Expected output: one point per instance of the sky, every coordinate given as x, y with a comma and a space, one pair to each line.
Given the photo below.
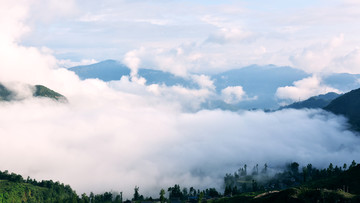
201, 36
121, 134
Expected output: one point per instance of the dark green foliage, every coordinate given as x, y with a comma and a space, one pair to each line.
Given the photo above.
349, 106
13, 188
175, 192
42, 91
162, 195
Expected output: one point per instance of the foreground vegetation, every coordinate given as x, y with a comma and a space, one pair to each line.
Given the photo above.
332, 184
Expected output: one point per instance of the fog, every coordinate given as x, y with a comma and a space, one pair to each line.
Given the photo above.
106, 139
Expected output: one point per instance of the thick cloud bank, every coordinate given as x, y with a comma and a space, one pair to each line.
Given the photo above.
111, 140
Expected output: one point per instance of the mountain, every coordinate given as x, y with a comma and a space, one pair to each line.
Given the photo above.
113, 70
42, 91
105, 70
5, 94
347, 105
260, 83
161, 77
39, 91
319, 101
344, 82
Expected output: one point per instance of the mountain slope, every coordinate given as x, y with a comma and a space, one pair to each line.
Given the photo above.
319, 101
42, 91
161, 77
260, 82
5, 94
349, 106
105, 70
342, 81
39, 91
13, 188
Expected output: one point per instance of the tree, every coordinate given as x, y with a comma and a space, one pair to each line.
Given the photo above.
175, 192
162, 195
227, 191
264, 171
353, 164
85, 198
185, 193
254, 185
118, 198
136, 194
92, 197
201, 196
330, 169
192, 191
212, 192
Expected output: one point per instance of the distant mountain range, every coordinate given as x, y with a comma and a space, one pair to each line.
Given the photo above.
259, 82
39, 91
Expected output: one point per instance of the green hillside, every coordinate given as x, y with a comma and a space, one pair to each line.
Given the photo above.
26, 192
42, 91
39, 91
13, 188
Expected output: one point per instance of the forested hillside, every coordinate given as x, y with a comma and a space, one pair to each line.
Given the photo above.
347, 105
293, 184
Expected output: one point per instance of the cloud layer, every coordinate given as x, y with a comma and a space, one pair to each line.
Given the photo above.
113, 141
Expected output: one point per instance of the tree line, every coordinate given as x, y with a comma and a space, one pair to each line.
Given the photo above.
242, 181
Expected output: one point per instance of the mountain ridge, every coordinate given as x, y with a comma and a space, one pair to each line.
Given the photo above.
347, 105
38, 91
260, 82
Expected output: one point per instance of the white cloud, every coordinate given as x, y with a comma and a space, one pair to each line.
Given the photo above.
67, 63
204, 81
316, 59
48, 10
349, 63
12, 15
303, 89
114, 141
226, 32
234, 94
177, 60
